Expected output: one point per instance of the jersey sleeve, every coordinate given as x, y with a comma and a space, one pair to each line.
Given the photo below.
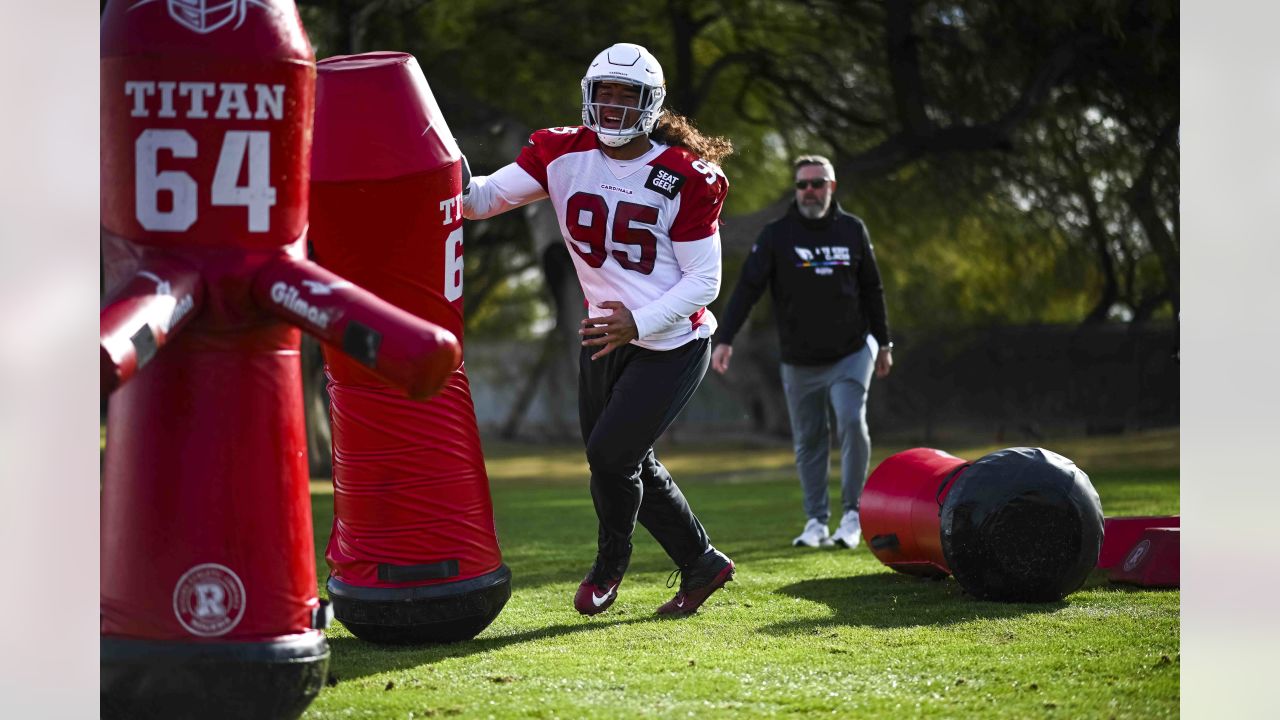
757, 273
510, 187
872, 290
547, 145
699, 284
701, 199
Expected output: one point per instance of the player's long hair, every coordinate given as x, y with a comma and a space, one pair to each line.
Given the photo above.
678, 130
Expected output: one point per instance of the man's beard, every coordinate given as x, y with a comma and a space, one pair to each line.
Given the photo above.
813, 212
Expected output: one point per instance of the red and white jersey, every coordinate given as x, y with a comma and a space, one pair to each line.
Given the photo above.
644, 232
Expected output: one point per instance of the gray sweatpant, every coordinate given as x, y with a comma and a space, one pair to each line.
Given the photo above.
808, 388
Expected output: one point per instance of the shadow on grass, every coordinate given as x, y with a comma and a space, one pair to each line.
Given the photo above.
352, 658
1100, 580
894, 600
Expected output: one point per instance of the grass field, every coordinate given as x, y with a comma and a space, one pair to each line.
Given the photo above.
799, 633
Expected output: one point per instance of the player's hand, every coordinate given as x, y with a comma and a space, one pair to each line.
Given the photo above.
884, 362
466, 176
720, 358
612, 331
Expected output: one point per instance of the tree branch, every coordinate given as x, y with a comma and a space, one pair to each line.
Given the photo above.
903, 58
1141, 200
724, 62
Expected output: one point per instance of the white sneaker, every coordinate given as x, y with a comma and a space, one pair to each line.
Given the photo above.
850, 531
815, 535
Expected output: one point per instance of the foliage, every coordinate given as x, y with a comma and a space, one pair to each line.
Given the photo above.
1019, 160
965, 265
799, 632
961, 130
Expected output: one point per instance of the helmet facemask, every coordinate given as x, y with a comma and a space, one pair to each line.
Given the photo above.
649, 109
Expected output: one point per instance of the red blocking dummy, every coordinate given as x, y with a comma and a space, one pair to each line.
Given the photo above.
1152, 561
208, 576
209, 602
899, 510
1120, 534
413, 554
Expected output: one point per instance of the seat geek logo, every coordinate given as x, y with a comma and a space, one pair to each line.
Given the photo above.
665, 182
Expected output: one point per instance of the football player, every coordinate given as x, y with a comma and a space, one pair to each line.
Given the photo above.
637, 191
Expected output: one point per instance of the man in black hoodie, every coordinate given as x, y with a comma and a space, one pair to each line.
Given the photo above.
818, 262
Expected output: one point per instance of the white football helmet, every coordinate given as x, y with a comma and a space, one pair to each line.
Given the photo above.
634, 65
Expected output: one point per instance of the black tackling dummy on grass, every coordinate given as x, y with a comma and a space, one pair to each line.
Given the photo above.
1021, 525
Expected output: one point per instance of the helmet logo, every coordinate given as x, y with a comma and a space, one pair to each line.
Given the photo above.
618, 55
205, 16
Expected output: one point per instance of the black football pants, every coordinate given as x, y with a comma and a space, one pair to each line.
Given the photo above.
626, 400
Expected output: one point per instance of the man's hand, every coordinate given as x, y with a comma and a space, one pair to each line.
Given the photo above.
611, 331
884, 362
720, 358
466, 176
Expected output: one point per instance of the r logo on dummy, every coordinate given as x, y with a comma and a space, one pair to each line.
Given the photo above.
209, 600
1135, 555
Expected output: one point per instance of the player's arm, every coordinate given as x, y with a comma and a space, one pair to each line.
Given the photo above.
520, 183
508, 188
754, 278
699, 284
699, 263
871, 290
756, 272
872, 296
695, 239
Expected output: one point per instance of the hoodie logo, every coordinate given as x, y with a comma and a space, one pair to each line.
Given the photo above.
822, 257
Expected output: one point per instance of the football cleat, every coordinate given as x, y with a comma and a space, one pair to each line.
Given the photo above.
598, 589
700, 578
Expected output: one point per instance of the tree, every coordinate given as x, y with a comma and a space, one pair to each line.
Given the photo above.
1016, 162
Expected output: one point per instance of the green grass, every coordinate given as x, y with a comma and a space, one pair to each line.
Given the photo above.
800, 633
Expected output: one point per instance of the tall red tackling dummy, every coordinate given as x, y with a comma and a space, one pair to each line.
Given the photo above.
209, 604
413, 554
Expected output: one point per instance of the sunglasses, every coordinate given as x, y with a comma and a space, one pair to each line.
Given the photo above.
815, 184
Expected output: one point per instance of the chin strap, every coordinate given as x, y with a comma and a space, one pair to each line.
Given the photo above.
617, 140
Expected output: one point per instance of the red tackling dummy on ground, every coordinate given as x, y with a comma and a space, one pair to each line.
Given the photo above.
1153, 561
1120, 534
899, 510
1017, 525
